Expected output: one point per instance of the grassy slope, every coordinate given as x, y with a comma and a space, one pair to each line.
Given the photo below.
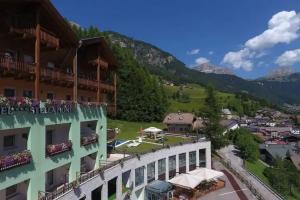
197, 96
258, 168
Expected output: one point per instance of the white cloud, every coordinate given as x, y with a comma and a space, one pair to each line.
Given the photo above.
211, 52
201, 60
193, 52
289, 58
283, 27
239, 59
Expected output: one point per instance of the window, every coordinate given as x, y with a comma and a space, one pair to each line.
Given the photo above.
11, 191
49, 138
202, 158
9, 141
68, 98
172, 166
182, 163
27, 93
161, 169
28, 59
50, 96
50, 178
151, 172
192, 160
139, 176
9, 92
51, 65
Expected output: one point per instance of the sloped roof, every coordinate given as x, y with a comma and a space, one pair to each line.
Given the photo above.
277, 150
50, 14
159, 187
179, 118
106, 52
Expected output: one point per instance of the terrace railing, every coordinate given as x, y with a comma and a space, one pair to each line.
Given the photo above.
56, 75
9, 64
90, 139
15, 160
54, 149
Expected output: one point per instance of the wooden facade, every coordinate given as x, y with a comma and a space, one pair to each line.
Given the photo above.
42, 58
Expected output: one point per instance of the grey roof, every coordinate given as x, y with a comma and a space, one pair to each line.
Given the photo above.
179, 118
159, 187
277, 150
228, 123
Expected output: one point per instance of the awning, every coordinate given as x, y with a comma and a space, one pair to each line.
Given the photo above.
152, 130
194, 178
205, 174
186, 181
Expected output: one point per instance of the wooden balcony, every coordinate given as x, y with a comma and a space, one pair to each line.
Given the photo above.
92, 84
10, 67
57, 77
89, 84
28, 31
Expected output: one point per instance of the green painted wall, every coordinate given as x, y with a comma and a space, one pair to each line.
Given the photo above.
35, 172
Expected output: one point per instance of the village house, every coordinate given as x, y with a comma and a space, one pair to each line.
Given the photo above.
179, 122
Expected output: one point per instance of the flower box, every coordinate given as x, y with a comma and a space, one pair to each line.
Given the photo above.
86, 140
14, 160
54, 149
18, 103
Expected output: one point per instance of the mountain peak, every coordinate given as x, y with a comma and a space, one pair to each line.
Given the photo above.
210, 68
280, 72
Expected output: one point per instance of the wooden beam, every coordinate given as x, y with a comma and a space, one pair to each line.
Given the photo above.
75, 74
99, 81
37, 57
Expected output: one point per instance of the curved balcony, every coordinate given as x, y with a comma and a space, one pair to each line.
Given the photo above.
15, 160
54, 149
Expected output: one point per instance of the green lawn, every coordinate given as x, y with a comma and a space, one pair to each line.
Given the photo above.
257, 168
130, 131
197, 97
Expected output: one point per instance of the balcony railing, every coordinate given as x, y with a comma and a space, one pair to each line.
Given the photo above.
86, 140
29, 31
88, 82
56, 75
14, 160
9, 64
54, 149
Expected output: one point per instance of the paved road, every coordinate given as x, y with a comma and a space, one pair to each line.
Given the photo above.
229, 153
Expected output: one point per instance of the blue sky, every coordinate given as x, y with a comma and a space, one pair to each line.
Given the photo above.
212, 28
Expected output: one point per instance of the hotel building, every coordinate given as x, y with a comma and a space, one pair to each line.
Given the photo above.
55, 94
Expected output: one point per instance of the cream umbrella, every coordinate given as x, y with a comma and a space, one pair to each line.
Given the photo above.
186, 181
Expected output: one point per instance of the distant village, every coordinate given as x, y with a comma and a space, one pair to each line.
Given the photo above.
278, 131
